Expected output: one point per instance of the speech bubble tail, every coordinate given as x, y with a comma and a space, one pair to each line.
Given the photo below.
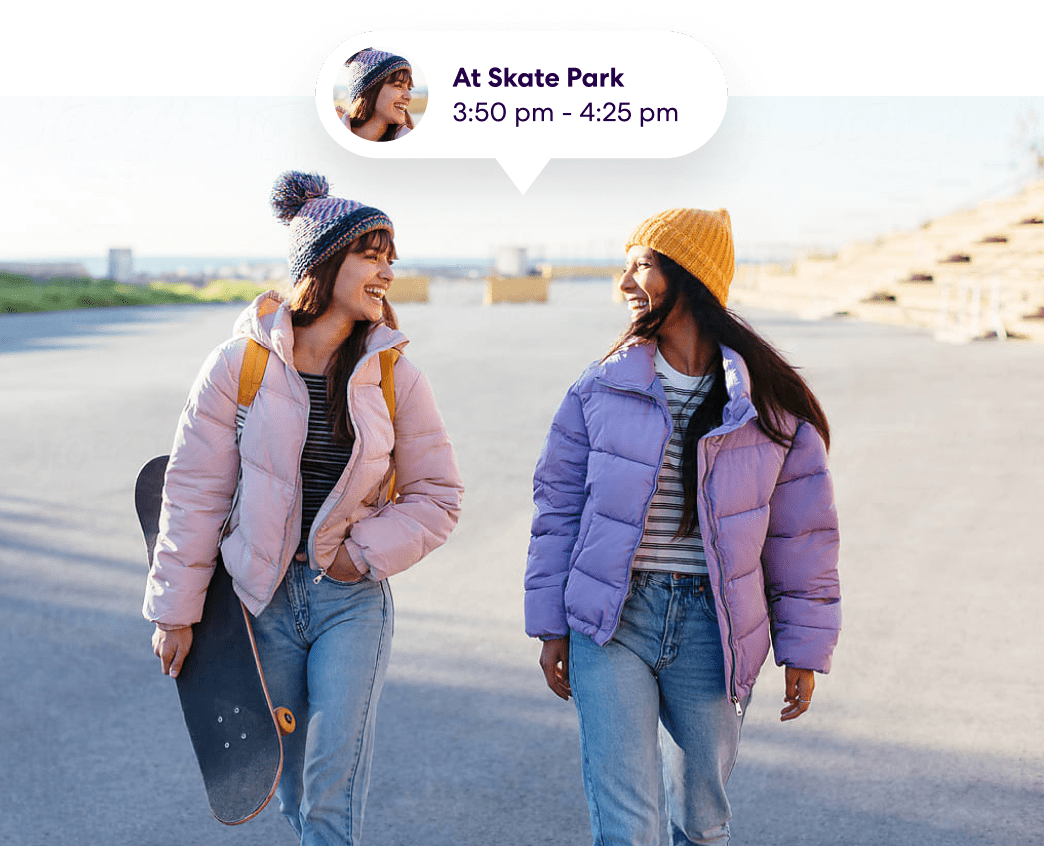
523, 170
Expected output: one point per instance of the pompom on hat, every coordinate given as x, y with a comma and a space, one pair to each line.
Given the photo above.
368, 67
698, 240
319, 224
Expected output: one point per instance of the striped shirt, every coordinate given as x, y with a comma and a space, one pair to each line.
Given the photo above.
659, 549
323, 459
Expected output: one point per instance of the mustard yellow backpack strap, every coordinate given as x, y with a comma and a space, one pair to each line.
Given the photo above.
252, 372
254, 360
388, 359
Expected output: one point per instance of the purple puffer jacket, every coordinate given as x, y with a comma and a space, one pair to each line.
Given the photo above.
766, 514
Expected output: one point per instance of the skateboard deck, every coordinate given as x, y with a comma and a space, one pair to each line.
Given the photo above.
235, 731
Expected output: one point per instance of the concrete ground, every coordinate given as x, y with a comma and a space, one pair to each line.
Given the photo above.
930, 729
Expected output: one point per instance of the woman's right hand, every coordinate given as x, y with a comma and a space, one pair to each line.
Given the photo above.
171, 647
554, 661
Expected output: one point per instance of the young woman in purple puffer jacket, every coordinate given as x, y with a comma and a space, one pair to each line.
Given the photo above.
684, 521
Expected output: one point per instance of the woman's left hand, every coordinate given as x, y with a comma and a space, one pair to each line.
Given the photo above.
798, 693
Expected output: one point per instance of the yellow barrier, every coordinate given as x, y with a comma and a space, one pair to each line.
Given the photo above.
578, 271
408, 289
516, 289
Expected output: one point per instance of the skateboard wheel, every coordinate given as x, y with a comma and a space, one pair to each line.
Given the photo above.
285, 720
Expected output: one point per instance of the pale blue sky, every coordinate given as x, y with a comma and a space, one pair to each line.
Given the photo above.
190, 176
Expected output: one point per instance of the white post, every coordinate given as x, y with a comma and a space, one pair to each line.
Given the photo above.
995, 311
945, 295
976, 309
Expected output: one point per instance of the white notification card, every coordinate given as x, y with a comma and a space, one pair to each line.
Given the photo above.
524, 98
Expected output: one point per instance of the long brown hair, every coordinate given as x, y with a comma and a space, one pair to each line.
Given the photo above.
311, 297
777, 389
363, 106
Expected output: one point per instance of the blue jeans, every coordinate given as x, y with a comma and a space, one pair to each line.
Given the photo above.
653, 700
324, 649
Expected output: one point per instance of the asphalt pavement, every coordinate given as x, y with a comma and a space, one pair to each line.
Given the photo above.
929, 730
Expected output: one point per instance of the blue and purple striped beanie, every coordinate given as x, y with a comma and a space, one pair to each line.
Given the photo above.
319, 224
370, 66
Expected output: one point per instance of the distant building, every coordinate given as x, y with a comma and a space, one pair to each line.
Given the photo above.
511, 261
121, 265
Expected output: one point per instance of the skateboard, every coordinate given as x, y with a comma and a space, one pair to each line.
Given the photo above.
235, 731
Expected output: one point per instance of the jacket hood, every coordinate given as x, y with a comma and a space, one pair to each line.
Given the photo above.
273, 329
633, 367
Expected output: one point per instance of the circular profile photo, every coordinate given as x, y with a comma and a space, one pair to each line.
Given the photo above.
379, 96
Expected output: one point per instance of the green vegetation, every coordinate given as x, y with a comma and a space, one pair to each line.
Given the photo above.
22, 293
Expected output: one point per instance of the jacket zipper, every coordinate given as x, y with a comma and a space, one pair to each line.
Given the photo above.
298, 492
721, 591
348, 469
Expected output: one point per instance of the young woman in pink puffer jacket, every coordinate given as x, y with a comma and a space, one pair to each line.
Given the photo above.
310, 536
684, 518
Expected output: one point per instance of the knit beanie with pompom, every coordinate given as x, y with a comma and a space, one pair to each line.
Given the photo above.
319, 224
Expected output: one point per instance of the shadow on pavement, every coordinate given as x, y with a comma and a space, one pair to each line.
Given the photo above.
96, 752
68, 330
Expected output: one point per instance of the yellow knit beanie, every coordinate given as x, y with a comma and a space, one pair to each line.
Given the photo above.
698, 240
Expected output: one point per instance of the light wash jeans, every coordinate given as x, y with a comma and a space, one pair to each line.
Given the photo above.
324, 650
653, 700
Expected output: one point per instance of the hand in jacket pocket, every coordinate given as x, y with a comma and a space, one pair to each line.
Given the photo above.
343, 568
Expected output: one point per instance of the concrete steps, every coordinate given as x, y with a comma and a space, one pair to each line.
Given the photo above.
999, 287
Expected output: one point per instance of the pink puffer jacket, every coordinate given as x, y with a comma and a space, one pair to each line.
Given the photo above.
264, 526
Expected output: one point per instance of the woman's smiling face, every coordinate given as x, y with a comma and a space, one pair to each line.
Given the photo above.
392, 100
362, 283
642, 283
